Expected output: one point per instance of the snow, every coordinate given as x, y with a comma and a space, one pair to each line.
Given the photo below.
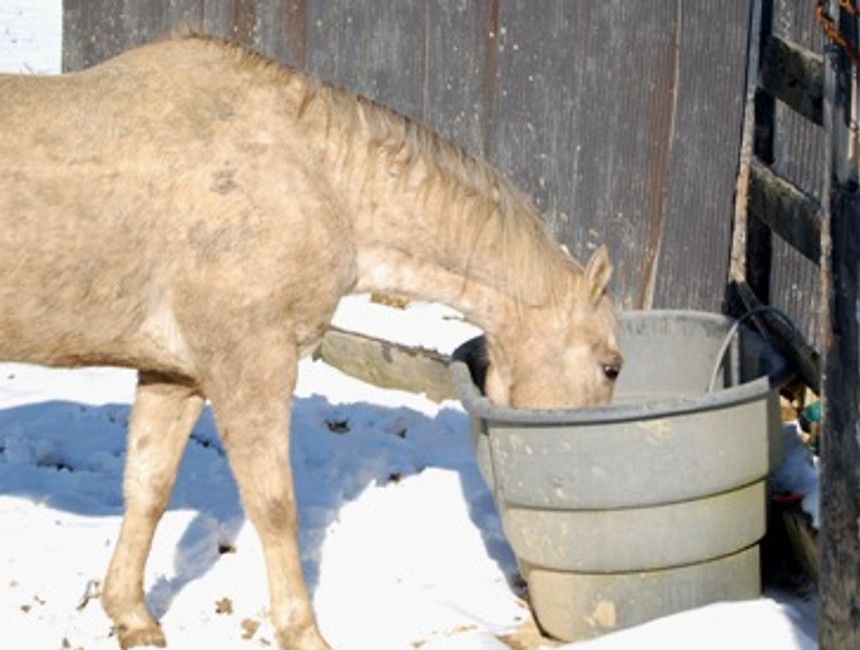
798, 475
360, 314
401, 544
31, 36
391, 504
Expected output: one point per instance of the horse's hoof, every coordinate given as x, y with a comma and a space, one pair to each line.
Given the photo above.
308, 640
148, 636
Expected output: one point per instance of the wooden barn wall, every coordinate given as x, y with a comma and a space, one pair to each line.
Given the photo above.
621, 119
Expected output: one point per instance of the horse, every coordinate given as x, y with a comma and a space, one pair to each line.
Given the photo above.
195, 211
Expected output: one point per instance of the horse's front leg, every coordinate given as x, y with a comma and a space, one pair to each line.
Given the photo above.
163, 415
252, 399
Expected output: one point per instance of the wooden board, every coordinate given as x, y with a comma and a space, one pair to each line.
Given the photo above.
462, 70
582, 118
839, 486
374, 48
693, 259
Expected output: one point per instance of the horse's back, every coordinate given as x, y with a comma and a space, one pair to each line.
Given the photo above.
131, 190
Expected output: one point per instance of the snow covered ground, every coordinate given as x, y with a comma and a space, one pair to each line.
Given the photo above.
31, 36
401, 544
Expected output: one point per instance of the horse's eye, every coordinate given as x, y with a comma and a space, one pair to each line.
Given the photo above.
611, 370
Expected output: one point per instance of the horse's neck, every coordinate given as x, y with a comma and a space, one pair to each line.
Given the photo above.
432, 223
391, 270
402, 246
417, 268
412, 239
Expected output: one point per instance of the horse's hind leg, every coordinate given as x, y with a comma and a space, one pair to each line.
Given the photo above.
162, 417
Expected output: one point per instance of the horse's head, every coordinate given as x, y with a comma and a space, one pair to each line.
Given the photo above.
560, 356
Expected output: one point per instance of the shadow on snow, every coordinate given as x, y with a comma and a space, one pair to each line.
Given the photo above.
70, 456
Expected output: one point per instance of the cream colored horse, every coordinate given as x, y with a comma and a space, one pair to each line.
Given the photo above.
194, 211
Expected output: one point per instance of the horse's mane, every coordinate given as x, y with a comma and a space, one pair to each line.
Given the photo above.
536, 268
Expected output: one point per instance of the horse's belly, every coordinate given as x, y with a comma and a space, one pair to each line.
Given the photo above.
71, 293
69, 320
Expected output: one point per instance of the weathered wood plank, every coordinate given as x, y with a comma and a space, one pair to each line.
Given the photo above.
282, 29
461, 70
739, 258
839, 543
798, 142
217, 18
582, 122
243, 22
386, 364
786, 209
704, 159
103, 28
93, 31
779, 274
795, 76
759, 238
376, 49
99, 29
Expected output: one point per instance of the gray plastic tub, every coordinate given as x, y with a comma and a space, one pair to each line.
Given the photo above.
662, 493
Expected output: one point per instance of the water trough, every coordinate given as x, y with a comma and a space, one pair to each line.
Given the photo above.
653, 505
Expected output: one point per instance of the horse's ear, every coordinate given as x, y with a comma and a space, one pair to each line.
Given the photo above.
598, 271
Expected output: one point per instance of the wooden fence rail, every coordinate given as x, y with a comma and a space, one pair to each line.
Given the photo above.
769, 204
824, 229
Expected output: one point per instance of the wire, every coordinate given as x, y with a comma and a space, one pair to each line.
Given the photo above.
734, 329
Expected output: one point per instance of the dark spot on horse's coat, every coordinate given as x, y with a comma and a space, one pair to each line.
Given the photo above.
210, 243
255, 148
224, 181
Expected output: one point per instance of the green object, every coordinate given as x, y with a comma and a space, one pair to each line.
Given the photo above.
811, 415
